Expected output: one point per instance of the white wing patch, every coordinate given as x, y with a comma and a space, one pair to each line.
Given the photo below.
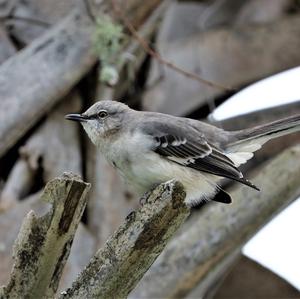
239, 158
249, 147
241, 154
179, 142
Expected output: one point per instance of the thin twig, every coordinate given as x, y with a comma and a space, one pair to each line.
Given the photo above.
157, 56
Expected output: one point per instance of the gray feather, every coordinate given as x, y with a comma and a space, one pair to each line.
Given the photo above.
262, 134
184, 145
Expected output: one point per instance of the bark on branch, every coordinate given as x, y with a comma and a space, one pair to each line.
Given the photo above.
115, 270
200, 255
43, 245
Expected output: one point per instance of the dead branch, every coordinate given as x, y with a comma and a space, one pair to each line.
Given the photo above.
44, 243
83, 246
7, 49
202, 253
249, 277
262, 11
6, 7
116, 269
25, 23
17, 185
29, 20
258, 117
135, 52
49, 148
158, 57
51, 66
83, 249
53, 149
10, 224
242, 52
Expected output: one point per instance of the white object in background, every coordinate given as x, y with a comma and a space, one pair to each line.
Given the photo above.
279, 89
277, 245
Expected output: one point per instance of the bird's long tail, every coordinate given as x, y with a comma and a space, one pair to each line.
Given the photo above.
243, 143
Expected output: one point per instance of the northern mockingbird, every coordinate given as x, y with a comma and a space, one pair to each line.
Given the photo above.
149, 148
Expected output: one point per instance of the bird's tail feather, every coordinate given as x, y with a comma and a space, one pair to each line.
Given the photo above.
261, 134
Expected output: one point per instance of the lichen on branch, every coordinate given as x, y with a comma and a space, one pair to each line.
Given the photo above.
107, 43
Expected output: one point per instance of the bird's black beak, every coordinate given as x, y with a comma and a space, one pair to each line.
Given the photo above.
76, 117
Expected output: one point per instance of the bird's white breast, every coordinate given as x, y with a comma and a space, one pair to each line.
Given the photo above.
143, 168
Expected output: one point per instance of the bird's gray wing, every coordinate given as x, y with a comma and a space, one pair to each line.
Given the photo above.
188, 147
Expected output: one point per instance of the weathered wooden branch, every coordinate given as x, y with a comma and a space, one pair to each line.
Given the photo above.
25, 22
258, 117
83, 249
7, 49
116, 269
202, 253
83, 246
263, 11
241, 51
10, 224
54, 149
18, 184
49, 148
44, 242
128, 68
50, 66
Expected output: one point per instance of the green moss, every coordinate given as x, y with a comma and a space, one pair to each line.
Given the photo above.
107, 41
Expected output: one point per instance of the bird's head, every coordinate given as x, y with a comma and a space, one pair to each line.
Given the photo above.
101, 120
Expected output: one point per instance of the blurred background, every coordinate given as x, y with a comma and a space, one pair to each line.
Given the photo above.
61, 56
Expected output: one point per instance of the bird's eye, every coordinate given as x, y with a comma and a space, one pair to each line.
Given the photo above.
103, 114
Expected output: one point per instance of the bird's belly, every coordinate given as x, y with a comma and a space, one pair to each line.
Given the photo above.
149, 170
